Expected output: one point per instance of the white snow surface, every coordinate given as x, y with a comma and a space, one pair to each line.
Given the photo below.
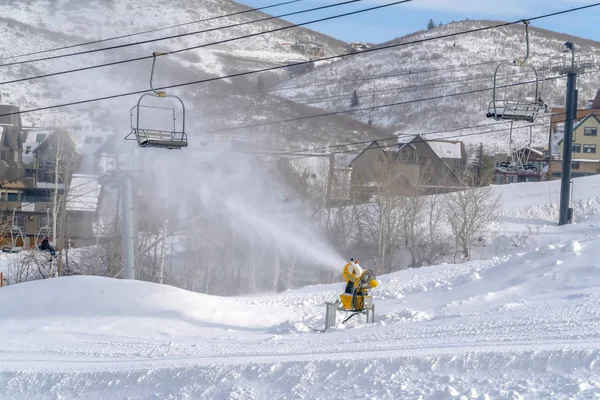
446, 149
84, 193
522, 322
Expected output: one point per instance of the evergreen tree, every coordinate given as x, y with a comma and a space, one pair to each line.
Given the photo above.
440, 24
354, 102
430, 25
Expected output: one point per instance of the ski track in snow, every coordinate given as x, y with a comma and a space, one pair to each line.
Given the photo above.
522, 325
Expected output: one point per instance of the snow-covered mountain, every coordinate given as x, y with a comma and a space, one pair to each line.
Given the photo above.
404, 80
28, 26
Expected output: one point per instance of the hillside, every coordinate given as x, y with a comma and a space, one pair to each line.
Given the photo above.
522, 324
400, 78
28, 26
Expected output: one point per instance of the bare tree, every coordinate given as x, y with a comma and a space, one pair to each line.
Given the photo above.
434, 244
58, 161
469, 212
393, 183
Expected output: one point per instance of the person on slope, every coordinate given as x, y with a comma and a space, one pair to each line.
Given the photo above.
45, 246
352, 271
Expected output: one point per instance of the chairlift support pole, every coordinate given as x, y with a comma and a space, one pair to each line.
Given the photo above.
128, 227
570, 116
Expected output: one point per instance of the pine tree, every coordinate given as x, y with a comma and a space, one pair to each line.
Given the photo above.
430, 25
440, 24
354, 102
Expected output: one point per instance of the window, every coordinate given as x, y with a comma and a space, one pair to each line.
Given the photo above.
29, 173
88, 140
44, 221
576, 148
20, 221
589, 148
98, 139
40, 137
575, 165
13, 197
590, 132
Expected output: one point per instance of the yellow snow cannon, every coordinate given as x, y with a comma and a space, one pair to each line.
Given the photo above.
355, 299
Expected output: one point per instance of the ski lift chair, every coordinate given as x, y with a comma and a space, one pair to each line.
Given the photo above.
44, 230
167, 139
517, 109
15, 234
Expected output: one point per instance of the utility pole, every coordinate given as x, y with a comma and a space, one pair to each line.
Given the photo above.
128, 227
571, 70
330, 179
329, 188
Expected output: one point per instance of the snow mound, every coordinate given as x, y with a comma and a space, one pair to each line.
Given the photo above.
93, 297
572, 246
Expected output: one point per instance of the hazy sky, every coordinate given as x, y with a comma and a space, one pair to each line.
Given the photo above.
398, 20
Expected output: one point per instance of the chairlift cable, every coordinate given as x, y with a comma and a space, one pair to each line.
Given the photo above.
364, 94
120, 46
148, 31
212, 44
329, 147
110, 97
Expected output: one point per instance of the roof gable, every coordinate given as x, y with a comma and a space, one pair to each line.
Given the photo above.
591, 115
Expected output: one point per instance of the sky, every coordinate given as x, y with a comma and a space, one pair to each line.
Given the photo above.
398, 20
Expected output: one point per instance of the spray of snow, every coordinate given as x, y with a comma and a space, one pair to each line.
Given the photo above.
241, 189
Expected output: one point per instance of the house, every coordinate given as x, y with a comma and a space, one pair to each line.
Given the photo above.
557, 122
586, 154
452, 152
407, 167
38, 164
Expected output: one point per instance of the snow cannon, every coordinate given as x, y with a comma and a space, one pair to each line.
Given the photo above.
356, 298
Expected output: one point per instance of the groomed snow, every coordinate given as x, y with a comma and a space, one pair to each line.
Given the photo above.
524, 324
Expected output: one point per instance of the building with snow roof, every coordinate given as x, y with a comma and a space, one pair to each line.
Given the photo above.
412, 165
29, 159
586, 149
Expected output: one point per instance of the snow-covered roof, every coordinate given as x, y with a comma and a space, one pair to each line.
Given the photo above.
34, 139
446, 149
84, 193
403, 138
533, 150
585, 160
88, 141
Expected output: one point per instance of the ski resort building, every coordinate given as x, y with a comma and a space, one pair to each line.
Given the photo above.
39, 165
409, 167
586, 149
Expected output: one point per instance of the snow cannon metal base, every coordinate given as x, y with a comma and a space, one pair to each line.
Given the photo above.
356, 299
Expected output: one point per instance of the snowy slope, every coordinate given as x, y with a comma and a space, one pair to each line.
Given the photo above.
401, 76
521, 325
